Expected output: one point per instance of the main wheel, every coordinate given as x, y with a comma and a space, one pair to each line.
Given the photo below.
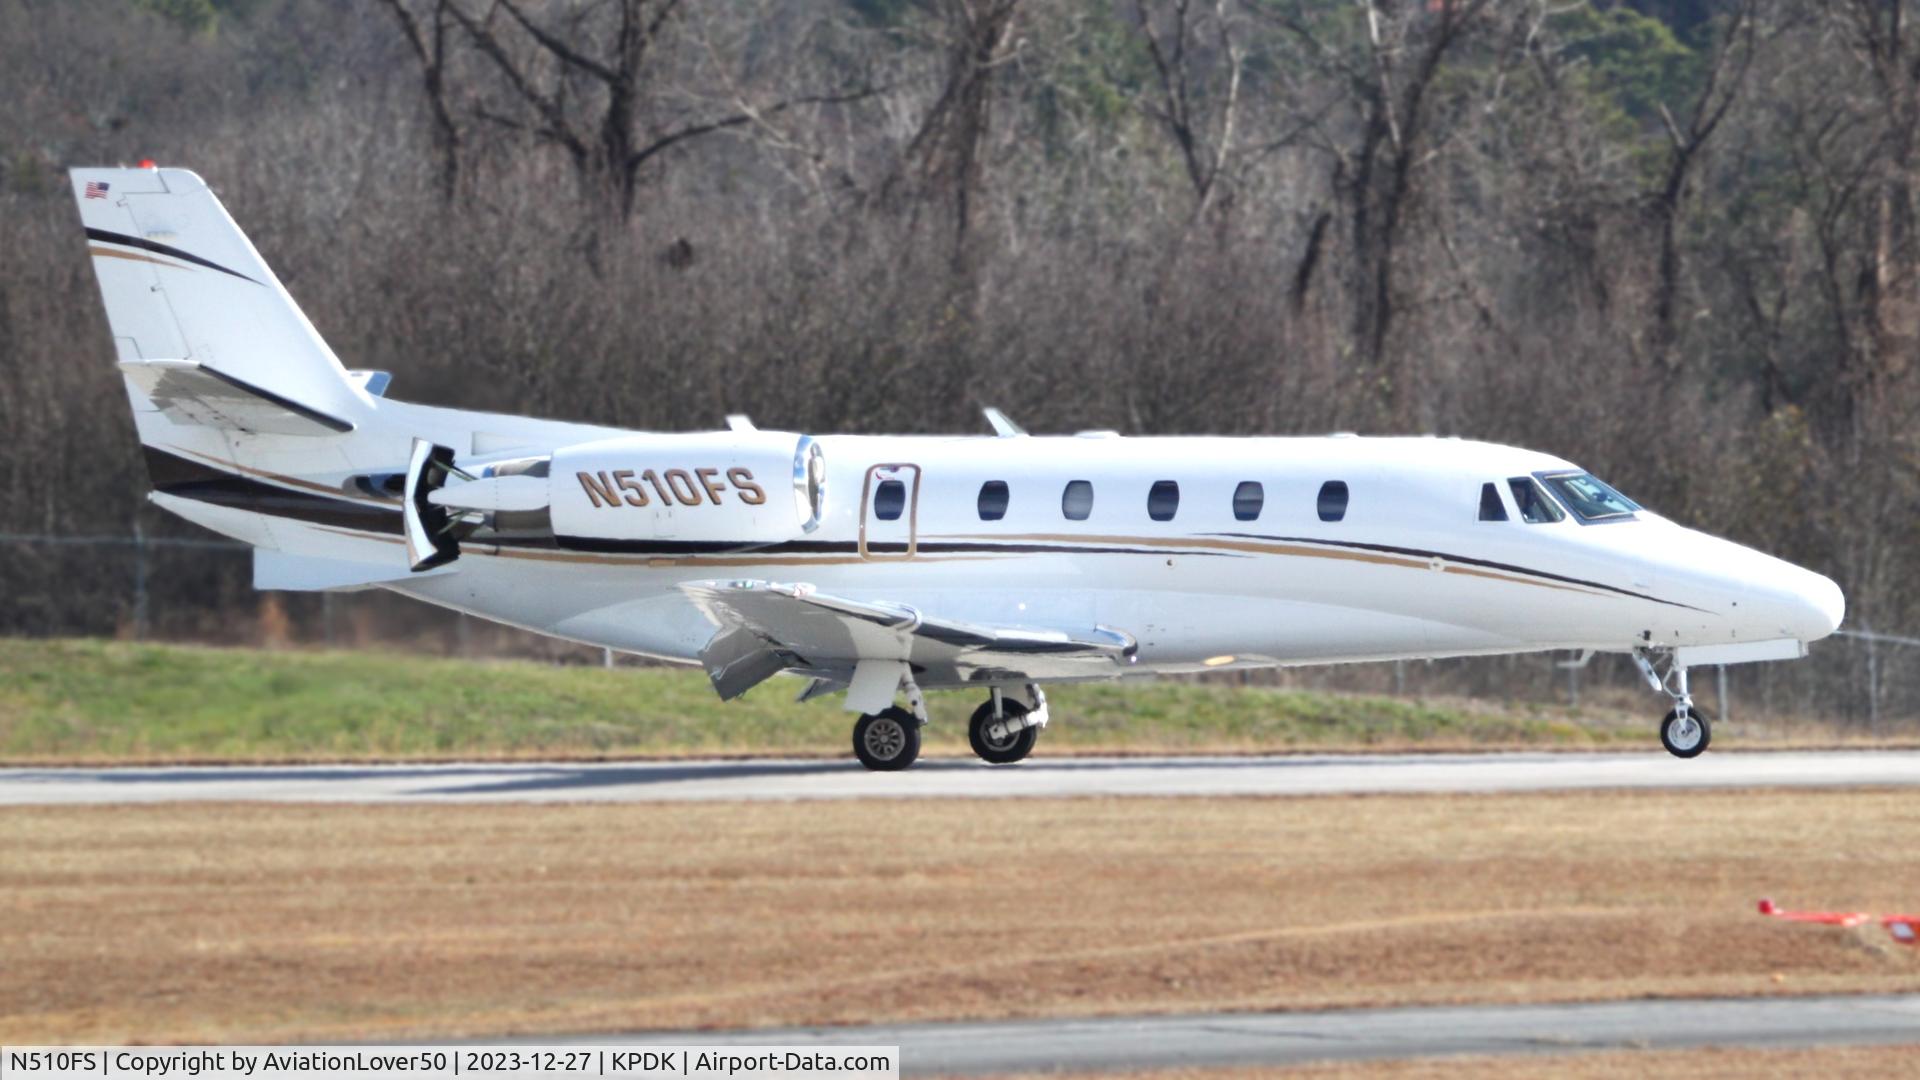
887, 741
1008, 748
1689, 739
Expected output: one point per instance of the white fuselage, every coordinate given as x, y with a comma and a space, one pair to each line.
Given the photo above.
1407, 571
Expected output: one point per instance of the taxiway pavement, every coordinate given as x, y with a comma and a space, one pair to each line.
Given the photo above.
1040, 777
1026, 1046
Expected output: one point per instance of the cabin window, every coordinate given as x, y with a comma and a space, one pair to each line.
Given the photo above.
1534, 506
1491, 508
1163, 500
1076, 502
1248, 498
993, 500
889, 499
1333, 500
1588, 498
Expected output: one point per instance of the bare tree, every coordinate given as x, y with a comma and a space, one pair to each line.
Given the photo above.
1878, 37
426, 34
580, 77
943, 162
1197, 98
1391, 77
1732, 54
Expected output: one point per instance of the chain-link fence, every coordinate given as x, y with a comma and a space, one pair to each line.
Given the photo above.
141, 586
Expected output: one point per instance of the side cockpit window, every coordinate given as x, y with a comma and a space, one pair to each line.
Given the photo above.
1534, 506
1491, 508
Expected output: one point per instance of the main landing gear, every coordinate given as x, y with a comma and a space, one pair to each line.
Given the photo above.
887, 741
1685, 731
1002, 730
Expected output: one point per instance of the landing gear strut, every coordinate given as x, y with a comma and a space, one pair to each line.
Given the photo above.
1685, 731
1003, 730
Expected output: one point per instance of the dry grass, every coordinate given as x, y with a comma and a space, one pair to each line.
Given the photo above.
1828, 1063
240, 923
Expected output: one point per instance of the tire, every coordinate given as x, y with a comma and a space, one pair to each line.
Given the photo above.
887, 741
1686, 747
1009, 750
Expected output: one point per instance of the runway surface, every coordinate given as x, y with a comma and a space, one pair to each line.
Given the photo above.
1292, 1038
1036, 778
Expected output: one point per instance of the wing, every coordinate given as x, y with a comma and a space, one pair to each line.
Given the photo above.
765, 629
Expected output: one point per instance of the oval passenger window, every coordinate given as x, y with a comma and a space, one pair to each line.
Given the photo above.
1248, 499
993, 500
889, 498
1163, 500
1076, 502
1333, 500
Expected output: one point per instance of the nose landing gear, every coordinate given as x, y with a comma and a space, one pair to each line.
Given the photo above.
1685, 731
1685, 734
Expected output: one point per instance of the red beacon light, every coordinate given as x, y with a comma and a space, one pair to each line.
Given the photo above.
147, 163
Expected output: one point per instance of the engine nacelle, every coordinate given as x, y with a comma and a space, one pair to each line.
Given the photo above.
708, 492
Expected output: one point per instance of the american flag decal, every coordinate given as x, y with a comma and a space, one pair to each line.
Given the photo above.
96, 189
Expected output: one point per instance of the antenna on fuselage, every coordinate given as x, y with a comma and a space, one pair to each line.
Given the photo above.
1002, 425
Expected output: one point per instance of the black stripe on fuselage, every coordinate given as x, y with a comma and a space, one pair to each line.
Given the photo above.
668, 548
177, 476
161, 249
1464, 560
174, 475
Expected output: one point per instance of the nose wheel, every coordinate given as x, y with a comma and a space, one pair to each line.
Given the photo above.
1686, 734
1685, 731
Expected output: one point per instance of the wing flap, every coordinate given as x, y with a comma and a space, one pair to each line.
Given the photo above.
765, 628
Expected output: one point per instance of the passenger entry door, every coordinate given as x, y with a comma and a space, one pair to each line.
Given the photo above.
890, 512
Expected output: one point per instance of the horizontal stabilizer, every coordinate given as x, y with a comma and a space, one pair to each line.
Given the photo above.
190, 393
305, 573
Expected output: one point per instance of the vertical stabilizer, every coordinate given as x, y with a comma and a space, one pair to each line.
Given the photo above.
181, 282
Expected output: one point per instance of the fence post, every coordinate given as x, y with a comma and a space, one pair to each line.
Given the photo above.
139, 582
1873, 683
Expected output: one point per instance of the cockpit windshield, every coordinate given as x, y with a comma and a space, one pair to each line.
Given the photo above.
1589, 498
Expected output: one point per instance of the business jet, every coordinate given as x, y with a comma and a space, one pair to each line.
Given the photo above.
882, 567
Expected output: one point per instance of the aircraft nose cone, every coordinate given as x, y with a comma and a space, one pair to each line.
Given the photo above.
1821, 606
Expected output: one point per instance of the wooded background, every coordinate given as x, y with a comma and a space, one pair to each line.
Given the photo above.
1672, 240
